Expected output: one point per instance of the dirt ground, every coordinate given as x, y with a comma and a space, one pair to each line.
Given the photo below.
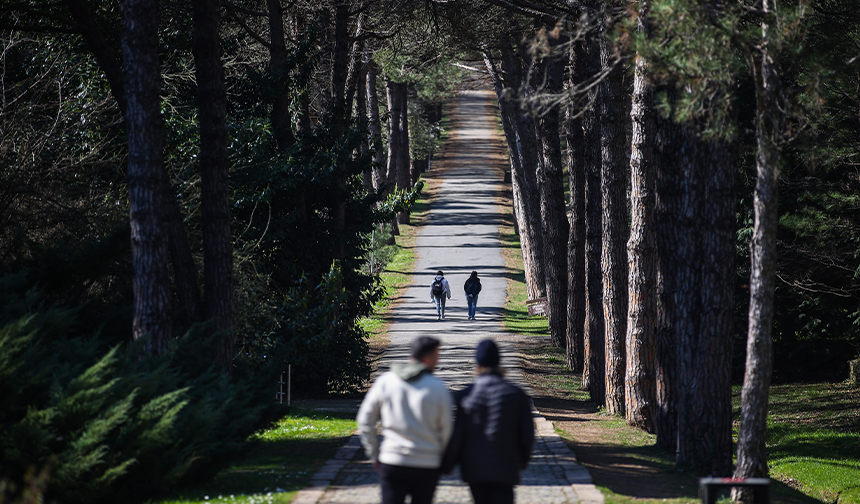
630, 471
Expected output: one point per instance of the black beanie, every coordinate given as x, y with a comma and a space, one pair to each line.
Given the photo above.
487, 354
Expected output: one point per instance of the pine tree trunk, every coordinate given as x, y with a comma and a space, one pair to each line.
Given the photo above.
576, 236
375, 126
354, 74
699, 287
770, 104
184, 268
214, 167
613, 185
340, 114
667, 144
404, 163
281, 120
507, 113
394, 135
641, 366
594, 366
340, 62
524, 130
552, 205
145, 173
707, 387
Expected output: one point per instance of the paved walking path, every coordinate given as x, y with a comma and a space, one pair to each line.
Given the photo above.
460, 235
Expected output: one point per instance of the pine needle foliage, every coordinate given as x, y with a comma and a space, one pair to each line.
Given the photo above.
115, 425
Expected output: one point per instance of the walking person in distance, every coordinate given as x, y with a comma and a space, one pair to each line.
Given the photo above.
498, 430
414, 409
472, 288
439, 292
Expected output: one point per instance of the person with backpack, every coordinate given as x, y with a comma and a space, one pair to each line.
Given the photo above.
439, 291
472, 288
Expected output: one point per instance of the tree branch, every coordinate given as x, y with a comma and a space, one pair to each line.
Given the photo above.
248, 29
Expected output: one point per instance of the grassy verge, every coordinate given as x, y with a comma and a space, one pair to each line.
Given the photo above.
280, 463
813, 440
516, 317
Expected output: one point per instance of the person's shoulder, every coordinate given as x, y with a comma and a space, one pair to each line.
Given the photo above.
432, 381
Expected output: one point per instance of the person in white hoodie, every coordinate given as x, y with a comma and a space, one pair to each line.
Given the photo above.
415, 411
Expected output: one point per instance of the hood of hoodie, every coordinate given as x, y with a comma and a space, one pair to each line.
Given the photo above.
408, 371
438, 277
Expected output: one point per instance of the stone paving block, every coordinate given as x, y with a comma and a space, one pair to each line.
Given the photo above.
308, 496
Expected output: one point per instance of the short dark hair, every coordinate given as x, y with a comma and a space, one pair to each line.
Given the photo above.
439, 273
422, 346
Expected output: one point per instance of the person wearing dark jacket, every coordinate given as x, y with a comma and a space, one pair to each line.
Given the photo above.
472, 288
498, 430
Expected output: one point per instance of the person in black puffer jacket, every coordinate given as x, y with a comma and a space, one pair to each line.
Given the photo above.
498, 430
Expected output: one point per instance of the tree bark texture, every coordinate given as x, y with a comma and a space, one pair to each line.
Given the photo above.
340, 62
527, 152
355, 71
507, 114
552, 204
380, 180
668, 175
594, 367
215, 179
613, 261
641, 365
184, 268
145, 172
394, 105
404, 164
770, 120
281, 120
340, 113
697, 255
576, 237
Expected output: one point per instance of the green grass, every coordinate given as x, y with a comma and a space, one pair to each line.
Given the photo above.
813, 439
516, 316
280, 463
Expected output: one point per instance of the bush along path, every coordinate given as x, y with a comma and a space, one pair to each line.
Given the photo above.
461, 234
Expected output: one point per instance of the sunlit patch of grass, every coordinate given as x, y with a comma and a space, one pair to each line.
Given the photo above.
516, 316
280, 463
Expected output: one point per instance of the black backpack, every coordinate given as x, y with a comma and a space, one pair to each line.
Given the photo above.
437, 288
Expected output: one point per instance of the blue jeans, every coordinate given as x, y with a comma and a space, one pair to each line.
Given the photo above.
440, 305
473, 304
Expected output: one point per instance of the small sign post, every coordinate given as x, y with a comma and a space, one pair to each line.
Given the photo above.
709, 488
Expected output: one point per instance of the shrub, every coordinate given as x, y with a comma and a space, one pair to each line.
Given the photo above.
115, 424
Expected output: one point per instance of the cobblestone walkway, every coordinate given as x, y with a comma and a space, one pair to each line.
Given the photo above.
460, 235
